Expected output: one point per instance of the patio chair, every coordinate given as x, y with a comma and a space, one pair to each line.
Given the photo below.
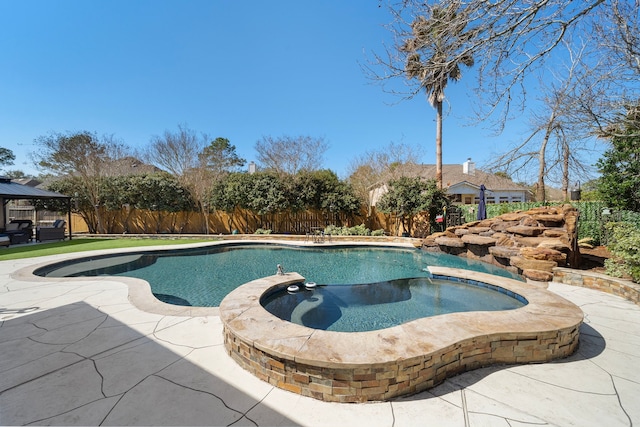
19, 231
55, 232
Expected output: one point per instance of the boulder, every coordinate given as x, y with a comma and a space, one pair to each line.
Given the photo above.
512, 216
472, 224
461, 231
554, 232
478, 230
522, 241
557, 244
544, 210
550, 220
537, 275
524, 230
532, 264
542, 253
452, 242
499, 225
473, 239
503, 251
503, 239
529, 221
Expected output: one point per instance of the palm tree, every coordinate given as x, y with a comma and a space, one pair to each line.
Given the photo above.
440, 39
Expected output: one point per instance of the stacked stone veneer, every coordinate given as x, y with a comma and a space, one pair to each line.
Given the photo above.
601, 282
405, 359
531, 243
392, 379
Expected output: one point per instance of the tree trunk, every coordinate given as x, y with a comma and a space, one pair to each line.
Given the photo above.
565, 171
542, 165
540, 189
439, 143
99, 226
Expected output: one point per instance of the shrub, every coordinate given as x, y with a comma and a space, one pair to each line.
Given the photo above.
625, 249
334, 230
358, 230
262, 231
379, 232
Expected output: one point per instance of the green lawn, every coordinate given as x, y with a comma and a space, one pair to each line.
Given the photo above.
81, 245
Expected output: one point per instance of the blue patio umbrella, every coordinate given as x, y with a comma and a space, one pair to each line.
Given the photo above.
482, 206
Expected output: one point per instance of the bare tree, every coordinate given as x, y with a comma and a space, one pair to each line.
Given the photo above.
195, 162
616, 34
376, 167
176, 152
506, 38
179, 153
82, 155
557, 140
289, 155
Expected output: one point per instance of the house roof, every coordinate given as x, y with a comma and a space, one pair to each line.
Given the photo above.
14, 191
30, 182
129, 166
454, 174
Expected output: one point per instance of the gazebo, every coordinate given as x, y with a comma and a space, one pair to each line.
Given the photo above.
13, 191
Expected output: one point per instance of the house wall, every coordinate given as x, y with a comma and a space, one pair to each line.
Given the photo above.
472, 197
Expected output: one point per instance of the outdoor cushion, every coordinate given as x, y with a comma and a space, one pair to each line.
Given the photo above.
12, 226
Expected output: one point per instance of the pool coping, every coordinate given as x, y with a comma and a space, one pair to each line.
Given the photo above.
404, 359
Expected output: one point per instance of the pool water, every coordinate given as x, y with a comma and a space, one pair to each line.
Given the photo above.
204, 276
359, 308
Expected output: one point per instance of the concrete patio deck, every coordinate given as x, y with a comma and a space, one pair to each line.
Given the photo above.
80, 353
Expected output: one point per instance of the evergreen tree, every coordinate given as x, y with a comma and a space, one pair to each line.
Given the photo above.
620, 167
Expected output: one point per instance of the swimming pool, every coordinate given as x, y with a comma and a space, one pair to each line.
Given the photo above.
203, 276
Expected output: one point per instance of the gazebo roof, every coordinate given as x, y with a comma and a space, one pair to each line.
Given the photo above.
14, 191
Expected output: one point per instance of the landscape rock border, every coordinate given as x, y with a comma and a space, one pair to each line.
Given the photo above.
531, 243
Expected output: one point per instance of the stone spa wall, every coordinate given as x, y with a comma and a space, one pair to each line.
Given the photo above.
404, 359
531, 243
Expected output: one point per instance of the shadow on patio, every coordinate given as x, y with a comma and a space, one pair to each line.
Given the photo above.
77, 365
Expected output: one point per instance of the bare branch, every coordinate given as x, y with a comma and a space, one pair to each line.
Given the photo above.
507, 38
289, 155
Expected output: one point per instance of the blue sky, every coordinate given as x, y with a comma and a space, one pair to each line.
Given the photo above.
238, 70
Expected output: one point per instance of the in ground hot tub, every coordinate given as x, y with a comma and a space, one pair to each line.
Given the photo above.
373, 306
399, 360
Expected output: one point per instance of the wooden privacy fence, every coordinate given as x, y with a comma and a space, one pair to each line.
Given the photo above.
45, 218
136, 221
594, 216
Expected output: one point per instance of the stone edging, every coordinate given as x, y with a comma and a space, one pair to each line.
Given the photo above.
405, 359
601, 282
